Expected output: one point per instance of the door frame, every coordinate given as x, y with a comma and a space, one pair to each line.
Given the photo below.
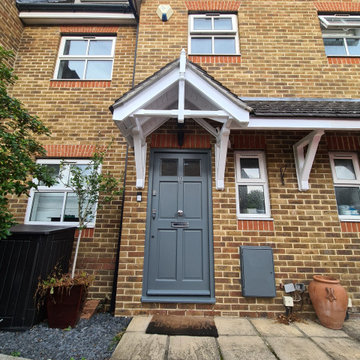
179, 299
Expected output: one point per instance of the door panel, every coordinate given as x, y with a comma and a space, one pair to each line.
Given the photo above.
193, 255
178, 262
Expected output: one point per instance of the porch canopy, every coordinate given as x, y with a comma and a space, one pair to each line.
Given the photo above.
184, 90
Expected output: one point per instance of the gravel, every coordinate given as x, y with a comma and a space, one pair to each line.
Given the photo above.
93, 339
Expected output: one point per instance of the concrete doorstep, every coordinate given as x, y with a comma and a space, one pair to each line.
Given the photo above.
243, 339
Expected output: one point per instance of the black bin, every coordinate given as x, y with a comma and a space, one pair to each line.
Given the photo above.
32, 251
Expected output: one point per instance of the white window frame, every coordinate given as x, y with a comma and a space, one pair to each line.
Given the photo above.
213, 33
340, 30
346, 183
85, 58
58, 188
263, 180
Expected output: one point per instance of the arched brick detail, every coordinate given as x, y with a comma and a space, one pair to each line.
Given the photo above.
343, 60
259, 225
70, 151
348, 226
212, 5
215, 59
79, 83
88, 29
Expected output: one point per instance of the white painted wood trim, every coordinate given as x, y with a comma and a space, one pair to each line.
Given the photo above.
303, 163
140, 147
37, 17
302, 124
241, 116
221, 147
174, 113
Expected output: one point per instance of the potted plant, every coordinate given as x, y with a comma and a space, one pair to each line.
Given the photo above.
65, 293
63, 297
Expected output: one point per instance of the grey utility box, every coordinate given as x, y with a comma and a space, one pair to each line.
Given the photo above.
257, 271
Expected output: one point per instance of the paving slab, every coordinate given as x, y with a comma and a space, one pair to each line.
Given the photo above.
339, 348
296, 348
193, 348
244, 348
138, 346
139, 324
267, 327
311, 328
234, 326
352, 328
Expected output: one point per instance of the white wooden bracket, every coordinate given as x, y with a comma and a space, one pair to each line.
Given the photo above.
140, 154
221, 147
303, 163
181, 96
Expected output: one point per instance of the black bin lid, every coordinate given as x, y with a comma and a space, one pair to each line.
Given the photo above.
38, 229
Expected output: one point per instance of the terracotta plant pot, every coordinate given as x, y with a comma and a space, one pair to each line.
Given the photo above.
64, 307
330, 301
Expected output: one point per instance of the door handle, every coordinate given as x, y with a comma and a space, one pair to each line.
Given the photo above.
153, 213
180, 213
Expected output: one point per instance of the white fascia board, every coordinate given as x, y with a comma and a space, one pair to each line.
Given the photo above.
144, 97
302, 124
214, 95
37, 17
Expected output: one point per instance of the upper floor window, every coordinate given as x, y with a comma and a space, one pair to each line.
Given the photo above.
56, 204
213, 34
346, 175
85, 58
251, 185
341, 35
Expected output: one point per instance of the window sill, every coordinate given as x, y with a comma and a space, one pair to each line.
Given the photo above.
343, 59
69, 83
216, 59
58, 223
350, 226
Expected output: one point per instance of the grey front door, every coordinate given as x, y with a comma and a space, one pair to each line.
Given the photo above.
179, 247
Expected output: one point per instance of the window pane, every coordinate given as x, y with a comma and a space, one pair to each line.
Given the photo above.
71, 69
334, 47
201, 46
98, 69
202, 24
348, 200
224, 46
71, 208
222, 24
192, 168
54, 170
85, 169
47, 207
353, 46
100, 47
75, 47
344, 169
169, 167
251, 199
249, 168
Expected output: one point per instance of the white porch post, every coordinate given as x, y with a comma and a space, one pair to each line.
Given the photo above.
304, 163
221, 146
140, 147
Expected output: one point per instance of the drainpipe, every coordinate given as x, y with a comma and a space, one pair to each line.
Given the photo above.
116, 270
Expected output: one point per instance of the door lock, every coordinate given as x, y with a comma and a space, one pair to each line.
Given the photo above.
180, 212
153, 213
